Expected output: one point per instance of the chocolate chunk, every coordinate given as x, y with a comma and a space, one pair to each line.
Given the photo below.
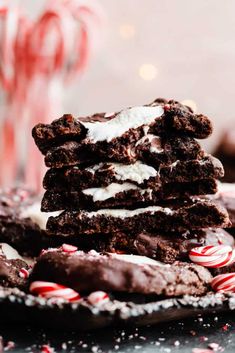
118, 273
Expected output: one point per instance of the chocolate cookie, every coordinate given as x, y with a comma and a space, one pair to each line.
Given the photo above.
108, 131
176, 215
151, 149
139, 174
22, 224
225, 151
166, 247
10, 275
125, 195
120, 273
226, 196
158, 150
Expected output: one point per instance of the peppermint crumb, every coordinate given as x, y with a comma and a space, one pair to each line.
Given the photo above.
138, 347
84, 345
193, 333
142, 338
10, 345
201, 350
225, 327
176, 343
94, 349
116, 347
214, 346
46, 349
1, 344
64, 346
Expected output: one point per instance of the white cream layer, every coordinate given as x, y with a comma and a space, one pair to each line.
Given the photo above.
122, 213
34, 213
104, 193
137, 259
148, 139
127, 119
9, 252
136, 172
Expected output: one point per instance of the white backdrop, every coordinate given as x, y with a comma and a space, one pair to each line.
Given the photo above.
172, 48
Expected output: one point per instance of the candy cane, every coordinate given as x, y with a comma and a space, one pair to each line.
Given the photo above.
224, 283
50, 56
98, 298
68, 248
9, 28
33, 56
53, 290
213, 256
24, 273
89, 16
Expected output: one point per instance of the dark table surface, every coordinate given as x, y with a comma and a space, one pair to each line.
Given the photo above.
216, 331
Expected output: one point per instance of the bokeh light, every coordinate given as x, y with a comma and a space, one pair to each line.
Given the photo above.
127, 30
190, 103
148, 72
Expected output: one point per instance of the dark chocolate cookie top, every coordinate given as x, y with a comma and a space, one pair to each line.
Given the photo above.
120, 273
161, 117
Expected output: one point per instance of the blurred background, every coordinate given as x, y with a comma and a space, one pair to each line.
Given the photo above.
157, 48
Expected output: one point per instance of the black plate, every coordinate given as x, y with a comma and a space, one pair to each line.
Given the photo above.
18, 307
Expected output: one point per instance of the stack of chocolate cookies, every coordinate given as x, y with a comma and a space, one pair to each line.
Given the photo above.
133, 182
135, 204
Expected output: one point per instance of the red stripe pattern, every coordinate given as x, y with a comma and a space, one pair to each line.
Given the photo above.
97, 298
69, 248
224, 283
23, 273
53, 290
213, 256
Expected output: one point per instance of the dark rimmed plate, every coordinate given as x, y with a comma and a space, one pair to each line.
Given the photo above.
18, 307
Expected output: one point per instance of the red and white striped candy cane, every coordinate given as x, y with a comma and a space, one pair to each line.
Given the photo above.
53, 290
213, 256
23, 273
9, 22
69, 248
224, 282
98, 298
39, 56
90, 19
52, 40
